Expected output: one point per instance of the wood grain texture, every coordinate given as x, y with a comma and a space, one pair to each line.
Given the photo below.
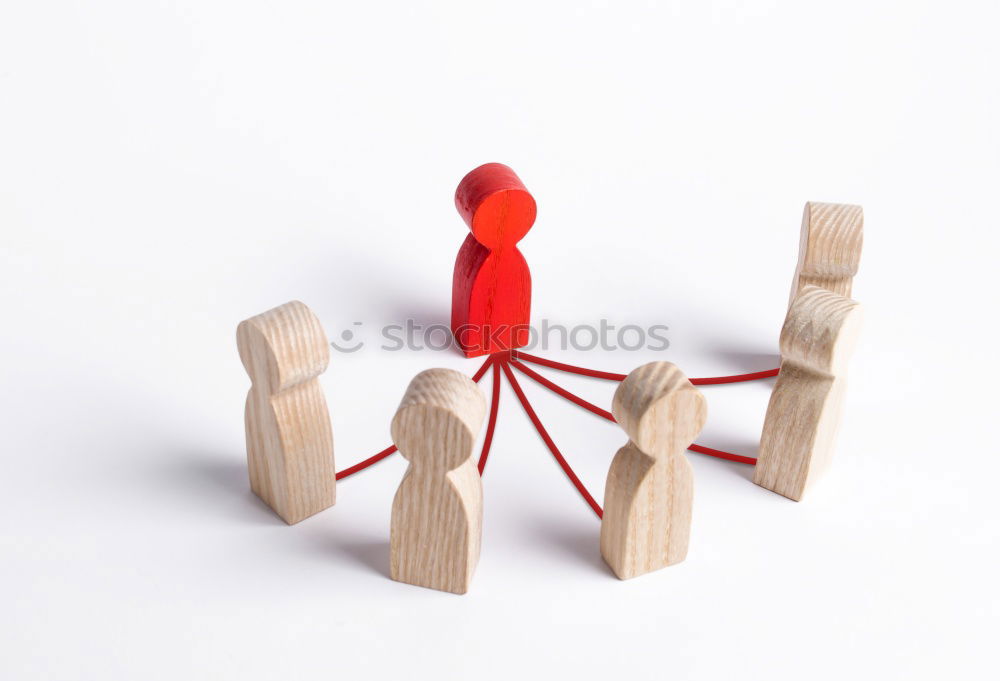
829, 247
491, 286
289, 438
437, 513
650, 487
817, 340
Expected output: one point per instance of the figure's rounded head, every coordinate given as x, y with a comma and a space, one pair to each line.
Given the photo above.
438, 419
659, 408
495, 205
283, 346
820, 330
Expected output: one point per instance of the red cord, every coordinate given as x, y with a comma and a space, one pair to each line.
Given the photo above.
716, 380
498, 360
481, 371
567, 367
712, 380
372, 460
492, 423
548, 440
366, 463
719, 454
562, 392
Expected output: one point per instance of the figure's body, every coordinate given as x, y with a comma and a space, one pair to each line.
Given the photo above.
803, 414
437, 511
491, 289
288, 433
650, 487
829, 247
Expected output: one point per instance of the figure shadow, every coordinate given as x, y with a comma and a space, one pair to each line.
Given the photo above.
216, 481
740, 470
228, 474
227, 479
742, 446
744, 362
371, 554
431, 325
580, 543
421, 312
390, 299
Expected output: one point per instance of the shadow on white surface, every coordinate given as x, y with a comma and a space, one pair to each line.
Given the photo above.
581, 544
373, 554
219, 485
743, 362
739, 470
229, 489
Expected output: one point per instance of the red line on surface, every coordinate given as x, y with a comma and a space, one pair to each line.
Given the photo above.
738, 378
492, 423
482, 370
516, 354
372, 460
719, 454
562, 392
711, 380
567, 469
498, 361
366, 463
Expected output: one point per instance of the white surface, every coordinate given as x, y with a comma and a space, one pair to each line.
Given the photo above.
168, 169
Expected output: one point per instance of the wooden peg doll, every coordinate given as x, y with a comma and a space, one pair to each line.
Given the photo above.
650, 486
289, 439
829, 247
803, 415
491, 289
438, 508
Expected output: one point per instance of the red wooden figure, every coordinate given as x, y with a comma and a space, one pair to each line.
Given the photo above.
491, 290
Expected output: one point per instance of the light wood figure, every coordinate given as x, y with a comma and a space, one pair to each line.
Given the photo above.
829, 247
289, 439
800, 426
650, 486
437, 514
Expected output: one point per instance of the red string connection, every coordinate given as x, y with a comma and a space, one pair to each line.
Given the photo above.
608, 376
567, 469
562, 392
566, 367
738, 378
366, 463
719, 454
498, 361
481, 371
492, 423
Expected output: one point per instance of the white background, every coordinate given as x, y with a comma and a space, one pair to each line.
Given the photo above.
170, 168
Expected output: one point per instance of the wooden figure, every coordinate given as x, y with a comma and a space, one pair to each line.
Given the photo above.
650, 486
491, 290
817, 340
829, 247
437, 513
289, 439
